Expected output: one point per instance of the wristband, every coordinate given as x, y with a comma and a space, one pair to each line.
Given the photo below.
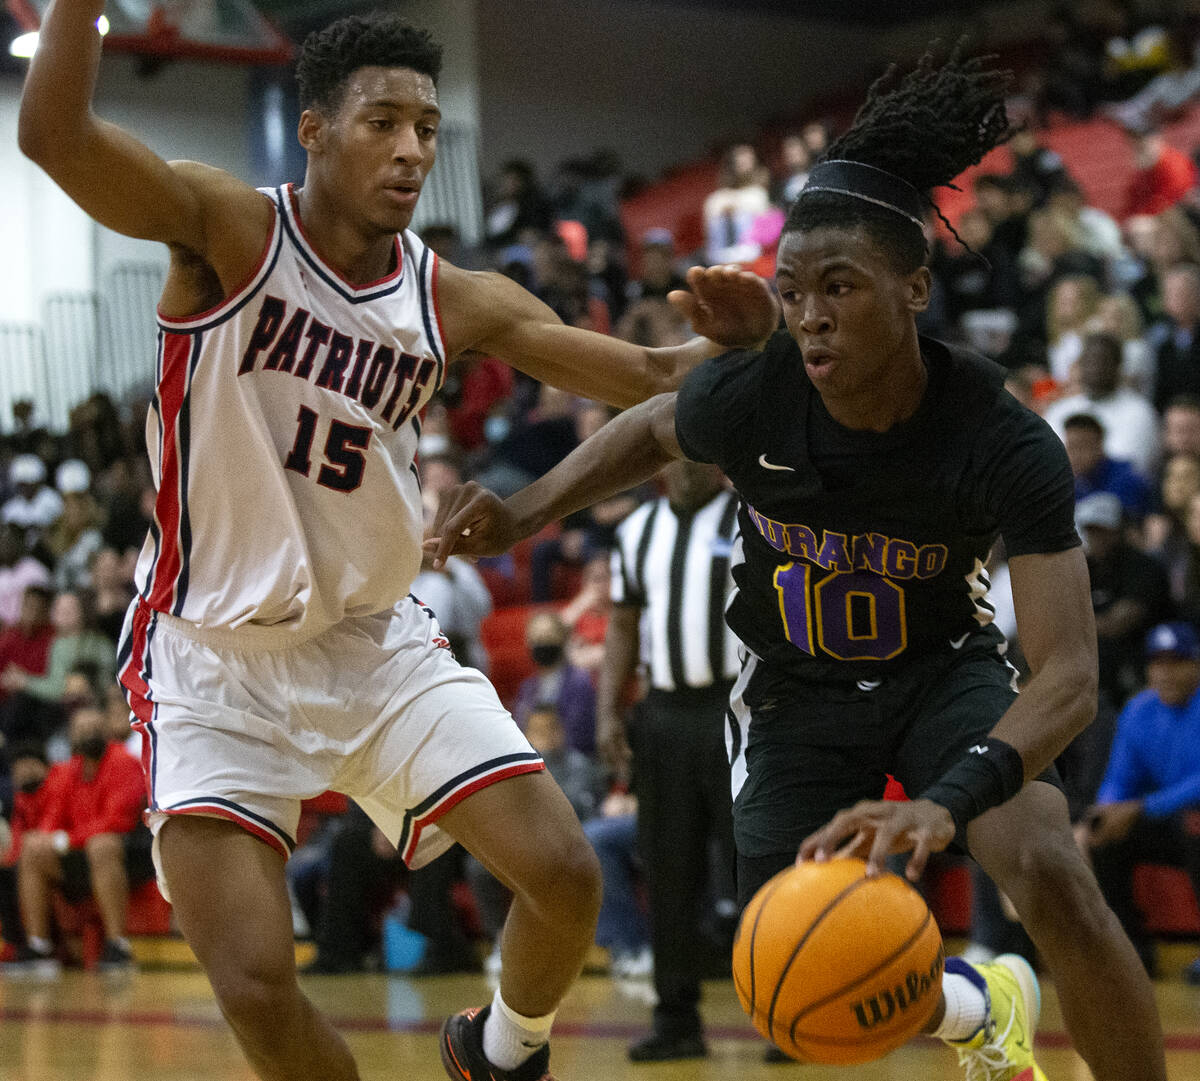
989, 774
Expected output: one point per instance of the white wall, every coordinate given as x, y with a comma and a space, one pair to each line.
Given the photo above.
186, 110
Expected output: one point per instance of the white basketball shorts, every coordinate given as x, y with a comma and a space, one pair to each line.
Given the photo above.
375, 707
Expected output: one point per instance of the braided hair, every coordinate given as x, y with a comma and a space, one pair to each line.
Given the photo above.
330, 56
925, 126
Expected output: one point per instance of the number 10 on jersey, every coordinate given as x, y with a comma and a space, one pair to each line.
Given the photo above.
851, 616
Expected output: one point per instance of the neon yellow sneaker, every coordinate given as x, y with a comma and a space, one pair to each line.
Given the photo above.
1003, 1049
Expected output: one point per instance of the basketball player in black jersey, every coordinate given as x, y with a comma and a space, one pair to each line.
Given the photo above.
876, 469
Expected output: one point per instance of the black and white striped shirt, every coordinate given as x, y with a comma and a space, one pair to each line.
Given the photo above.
675, 567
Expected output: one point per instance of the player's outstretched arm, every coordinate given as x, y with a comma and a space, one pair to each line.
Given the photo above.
111, 175
487, 312
629, 449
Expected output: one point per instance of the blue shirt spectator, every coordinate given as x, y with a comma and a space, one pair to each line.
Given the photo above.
1155, 756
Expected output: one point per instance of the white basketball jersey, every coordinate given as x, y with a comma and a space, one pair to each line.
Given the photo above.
282, 438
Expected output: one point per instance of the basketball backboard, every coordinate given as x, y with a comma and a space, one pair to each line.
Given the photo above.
233, 31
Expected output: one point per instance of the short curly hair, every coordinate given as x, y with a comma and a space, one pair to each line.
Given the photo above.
330, 56
925, 126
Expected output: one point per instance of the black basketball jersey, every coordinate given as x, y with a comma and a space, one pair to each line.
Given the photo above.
861, 550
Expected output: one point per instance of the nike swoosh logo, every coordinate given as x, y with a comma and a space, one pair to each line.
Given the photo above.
762, 460
957, 643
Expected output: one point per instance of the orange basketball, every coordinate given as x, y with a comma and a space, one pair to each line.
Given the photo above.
835, 967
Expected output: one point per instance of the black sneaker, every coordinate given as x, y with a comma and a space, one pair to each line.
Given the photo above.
463, 1057
663, 1047
115, 957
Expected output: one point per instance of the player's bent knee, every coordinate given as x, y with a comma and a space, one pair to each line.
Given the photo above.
1051, 885
252, 998
568, 882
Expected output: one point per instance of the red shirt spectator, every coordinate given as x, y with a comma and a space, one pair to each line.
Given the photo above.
26, 643
485, 382
27, 812
89, 798
1164, 176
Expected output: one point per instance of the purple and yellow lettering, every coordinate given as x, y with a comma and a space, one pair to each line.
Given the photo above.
800, 541
270, 315
361, 356
869, 551
766, 529
406, 368
333, 371
833, 555
422, 380
901, 559
931, 560
283, 356
381, 368
317, 335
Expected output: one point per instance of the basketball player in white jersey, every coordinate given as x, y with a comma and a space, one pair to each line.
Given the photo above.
274, 651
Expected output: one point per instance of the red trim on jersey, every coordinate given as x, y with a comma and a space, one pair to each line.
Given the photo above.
177, 349
354, 287
243, 285
216, 811
131, 675
458, 795
437, 311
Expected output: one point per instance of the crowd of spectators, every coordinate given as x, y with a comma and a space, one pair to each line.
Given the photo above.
1096, 317
73, 514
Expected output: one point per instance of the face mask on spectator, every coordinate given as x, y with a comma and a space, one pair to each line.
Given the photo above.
546, 654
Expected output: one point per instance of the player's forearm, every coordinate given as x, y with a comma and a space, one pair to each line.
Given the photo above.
671, 364
628, 450
56, 101
1057, 703
620, 659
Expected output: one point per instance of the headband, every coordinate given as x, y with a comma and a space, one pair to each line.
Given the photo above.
859, 180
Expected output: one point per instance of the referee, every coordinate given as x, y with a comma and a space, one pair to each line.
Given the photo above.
670, 579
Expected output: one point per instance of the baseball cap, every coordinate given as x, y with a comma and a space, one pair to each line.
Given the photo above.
73, 476
1179, 639
1099, 509
27, 469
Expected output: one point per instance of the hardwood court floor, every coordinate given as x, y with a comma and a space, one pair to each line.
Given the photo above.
163, 1026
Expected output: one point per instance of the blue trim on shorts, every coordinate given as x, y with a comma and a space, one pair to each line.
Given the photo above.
266, 823
448, 788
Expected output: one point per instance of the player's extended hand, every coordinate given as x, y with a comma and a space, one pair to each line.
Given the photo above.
874, 829
728, 305
470, 521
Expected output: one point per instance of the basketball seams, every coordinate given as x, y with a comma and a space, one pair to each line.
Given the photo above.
779, 880
816, 922
833, 995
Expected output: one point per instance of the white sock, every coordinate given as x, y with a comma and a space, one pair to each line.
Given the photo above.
966, 1008
509, 1038
41, 945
